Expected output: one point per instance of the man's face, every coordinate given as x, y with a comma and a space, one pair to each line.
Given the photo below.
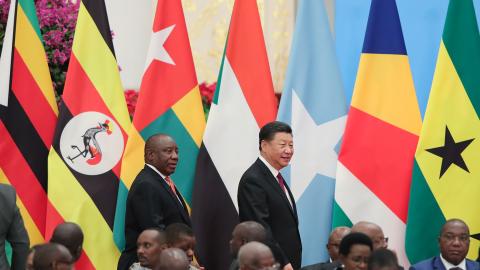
164, 156
333, 244
279, 151
454, 242
187, 244
236, 242
148, 248
357, 258
266, 261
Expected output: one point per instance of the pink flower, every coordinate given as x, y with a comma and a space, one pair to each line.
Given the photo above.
131, 96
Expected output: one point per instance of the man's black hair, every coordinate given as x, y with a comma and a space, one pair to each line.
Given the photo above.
268, 131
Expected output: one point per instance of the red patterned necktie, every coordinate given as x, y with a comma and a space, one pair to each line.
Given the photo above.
171, 184
281, 181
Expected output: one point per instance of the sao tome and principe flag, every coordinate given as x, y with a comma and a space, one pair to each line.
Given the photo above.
169, 102
381, 134
28, 113
446, 171
85, 160
244, 101
313, 103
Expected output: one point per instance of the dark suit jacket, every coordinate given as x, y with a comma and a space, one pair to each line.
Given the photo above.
435, 263
12, 230
323, 266
261, 199
150, 203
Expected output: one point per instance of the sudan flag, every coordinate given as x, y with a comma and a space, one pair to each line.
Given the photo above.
85, 160
376, 157
28, 113
446, 173
244, 101
169, 102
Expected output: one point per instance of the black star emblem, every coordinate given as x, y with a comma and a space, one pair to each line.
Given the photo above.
476, 236
451, 152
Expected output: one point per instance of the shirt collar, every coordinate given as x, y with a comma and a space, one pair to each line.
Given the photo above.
157, 171
270, 167
448, 265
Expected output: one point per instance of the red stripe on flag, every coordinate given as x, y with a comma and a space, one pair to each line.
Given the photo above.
164, 84
248, 56
84, 96
23, 179
33, 102
381, 156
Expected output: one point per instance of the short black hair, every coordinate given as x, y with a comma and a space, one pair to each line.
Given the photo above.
268, 131
175, 231
161, 236
381, 258
354, 238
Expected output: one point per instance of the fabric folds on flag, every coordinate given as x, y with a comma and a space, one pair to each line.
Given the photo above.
313, 103
243, 102
28, 116
85, 160
446, 169
381, 134
169, 102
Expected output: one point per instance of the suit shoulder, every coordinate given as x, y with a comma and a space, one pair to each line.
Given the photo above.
473, 265
425, 264
8, 192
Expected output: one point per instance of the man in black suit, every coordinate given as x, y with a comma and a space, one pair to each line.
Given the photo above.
153, 200
264, 197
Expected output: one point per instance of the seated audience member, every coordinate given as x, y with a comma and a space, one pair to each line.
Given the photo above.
30, 255
383, 259
373, 231
454, 241
52, 256
173, 259
181, 236
334, 240
69, 235
255, 255
354, 250
243, 233
150, 244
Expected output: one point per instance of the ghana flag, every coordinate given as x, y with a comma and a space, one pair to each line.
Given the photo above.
85, 160
169, 102
28, 113
447, 168
376, 157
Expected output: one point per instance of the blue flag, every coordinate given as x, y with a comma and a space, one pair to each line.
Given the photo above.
313, 103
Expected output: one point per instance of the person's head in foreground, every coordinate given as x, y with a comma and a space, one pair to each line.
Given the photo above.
172, 259
52, 256
256, 256
355, 249
150, 244
454, 241
383, 259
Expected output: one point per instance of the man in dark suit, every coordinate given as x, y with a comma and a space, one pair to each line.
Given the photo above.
12, 230
153, 200
454, 241
264, 197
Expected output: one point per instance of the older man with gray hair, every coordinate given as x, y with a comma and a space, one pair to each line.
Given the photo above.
255, 255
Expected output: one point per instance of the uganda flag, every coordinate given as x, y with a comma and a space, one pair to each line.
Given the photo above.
446, 173
85, 160
376, 157
28, 113
169, 102
244, 102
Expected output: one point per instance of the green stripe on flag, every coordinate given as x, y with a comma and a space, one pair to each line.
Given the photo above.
339, 217
169, 123
119, 222
29, 8
8, 252
462, 40
424, 222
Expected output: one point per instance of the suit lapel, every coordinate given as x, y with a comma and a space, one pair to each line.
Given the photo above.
437, 263
273, 182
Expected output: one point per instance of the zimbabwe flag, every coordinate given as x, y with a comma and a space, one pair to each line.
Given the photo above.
446, 172
85, 160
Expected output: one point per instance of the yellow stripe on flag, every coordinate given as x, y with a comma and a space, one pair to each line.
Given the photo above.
133, 160
100, 65
387, 91
32, 229
190, 112
32, 51
74, 204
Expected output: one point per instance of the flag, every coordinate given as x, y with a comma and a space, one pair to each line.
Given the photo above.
446, 169
169, 102
85, 160
28, 113
313, 103
376, 156
244, 101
